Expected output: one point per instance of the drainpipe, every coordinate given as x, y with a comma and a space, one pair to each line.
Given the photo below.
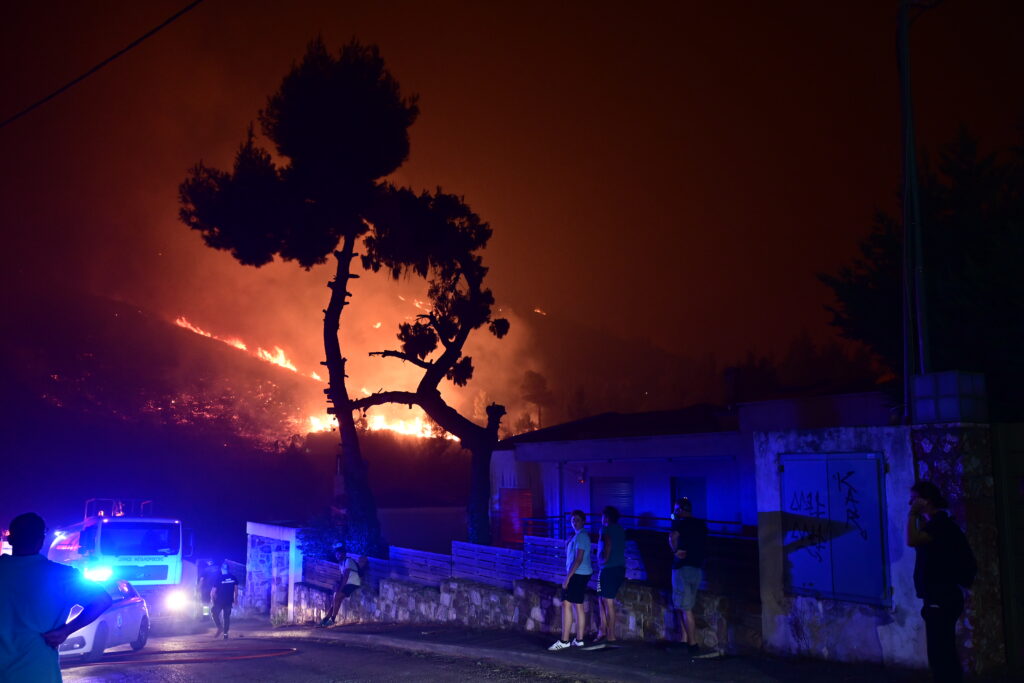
561, 500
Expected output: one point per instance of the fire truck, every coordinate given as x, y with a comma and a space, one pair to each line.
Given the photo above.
122, 539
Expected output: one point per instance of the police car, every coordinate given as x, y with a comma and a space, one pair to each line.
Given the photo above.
125, 621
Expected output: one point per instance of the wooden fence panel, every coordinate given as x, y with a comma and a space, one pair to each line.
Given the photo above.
544, 558
320, 572
487, 564
326, 574
420, 566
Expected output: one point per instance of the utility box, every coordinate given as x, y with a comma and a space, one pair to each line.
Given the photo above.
950, 396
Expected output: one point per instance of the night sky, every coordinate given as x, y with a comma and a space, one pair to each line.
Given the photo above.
675, 172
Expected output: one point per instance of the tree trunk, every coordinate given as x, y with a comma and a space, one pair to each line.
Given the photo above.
478, 517
363, 532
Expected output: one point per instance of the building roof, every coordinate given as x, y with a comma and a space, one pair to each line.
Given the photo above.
701, 418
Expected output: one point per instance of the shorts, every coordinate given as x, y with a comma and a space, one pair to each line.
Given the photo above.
576, 589
685, 584
610, 580
349, 588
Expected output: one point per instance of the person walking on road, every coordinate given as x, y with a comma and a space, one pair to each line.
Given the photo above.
225, 592
36, 596
613, 571
688, 541
944, 564
578, 570
349, 583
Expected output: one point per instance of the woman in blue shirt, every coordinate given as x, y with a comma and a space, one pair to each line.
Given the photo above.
577, 573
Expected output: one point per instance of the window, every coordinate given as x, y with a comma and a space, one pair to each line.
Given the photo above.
833, 515
140, 538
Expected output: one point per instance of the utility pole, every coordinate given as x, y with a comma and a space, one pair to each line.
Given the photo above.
915, 323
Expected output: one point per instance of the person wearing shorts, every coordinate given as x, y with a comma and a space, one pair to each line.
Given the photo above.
613, 570
687, 540
348, 584
578, 570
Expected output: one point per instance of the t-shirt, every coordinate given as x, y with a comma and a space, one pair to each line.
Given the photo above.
580, 541
36, 596
693, 536
935, 567
224, 589
615, 536
353, 572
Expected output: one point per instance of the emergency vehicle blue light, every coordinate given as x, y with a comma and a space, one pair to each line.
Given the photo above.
98, 573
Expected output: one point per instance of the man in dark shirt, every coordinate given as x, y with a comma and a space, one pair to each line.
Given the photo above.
688, 540
942, 553
225, 591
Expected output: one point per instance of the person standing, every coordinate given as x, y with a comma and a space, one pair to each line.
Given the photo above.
225, 592
36, 596
578, 570
943, 564
613, 571
348, 584
688, 541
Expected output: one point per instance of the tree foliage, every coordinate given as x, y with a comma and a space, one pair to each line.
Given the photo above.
973, 241
339, 125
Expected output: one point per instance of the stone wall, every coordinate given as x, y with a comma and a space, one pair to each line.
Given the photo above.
532, 605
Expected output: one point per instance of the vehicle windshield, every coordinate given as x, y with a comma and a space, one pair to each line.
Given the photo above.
140, 538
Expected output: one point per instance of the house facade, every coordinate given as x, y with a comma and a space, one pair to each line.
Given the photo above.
816, 488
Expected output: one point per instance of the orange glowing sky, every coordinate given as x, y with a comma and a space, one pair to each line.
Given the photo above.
673, 171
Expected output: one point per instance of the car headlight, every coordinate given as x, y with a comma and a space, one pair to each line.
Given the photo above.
98, 573
176, 600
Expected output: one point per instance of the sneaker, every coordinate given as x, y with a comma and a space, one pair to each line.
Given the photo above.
225, 636
577, 643
559, 645
698, 653
328, 621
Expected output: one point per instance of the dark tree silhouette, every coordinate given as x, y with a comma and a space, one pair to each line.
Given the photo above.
534, 390
340, 124
438, 237
973, 239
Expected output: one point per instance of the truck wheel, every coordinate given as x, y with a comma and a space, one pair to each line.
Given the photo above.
140, 642
99, 644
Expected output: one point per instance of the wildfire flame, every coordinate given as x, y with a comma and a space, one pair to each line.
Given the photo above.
415, 426
277, 358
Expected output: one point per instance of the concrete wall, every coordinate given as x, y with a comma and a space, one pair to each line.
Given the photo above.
834, 629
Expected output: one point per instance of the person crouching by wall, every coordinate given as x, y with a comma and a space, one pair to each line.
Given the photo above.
577, 573
351, 580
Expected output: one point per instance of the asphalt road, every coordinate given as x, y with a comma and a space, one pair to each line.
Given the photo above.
201, 658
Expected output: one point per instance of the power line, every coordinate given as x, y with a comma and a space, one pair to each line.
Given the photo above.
108, 60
